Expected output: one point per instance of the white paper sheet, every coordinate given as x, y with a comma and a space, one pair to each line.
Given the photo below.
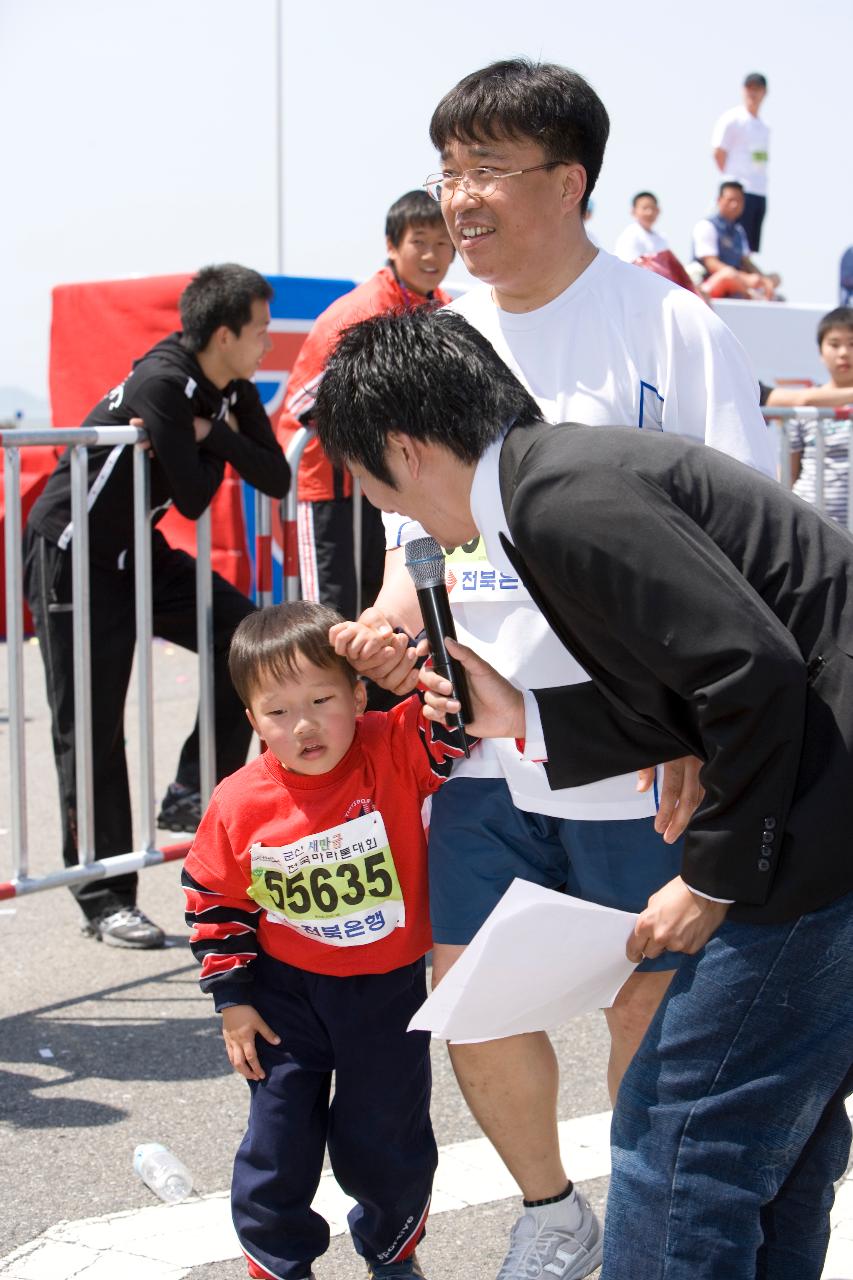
539, 959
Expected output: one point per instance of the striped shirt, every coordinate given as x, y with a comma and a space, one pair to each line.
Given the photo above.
803, 435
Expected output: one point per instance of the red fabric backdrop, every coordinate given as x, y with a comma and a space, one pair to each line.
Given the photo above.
96, 333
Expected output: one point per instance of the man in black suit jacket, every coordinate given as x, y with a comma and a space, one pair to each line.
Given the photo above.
714, 614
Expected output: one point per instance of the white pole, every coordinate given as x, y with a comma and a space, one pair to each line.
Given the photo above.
279, 133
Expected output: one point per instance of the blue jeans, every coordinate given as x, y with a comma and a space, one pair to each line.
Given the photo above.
730, 1128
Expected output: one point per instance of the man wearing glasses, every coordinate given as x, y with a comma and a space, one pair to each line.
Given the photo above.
597, 341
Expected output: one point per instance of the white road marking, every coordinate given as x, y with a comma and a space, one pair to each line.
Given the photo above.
165, 1242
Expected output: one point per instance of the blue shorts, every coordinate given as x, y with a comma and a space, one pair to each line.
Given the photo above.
479, 842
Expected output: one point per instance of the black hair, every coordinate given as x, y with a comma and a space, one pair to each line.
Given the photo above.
219, 295
644, 195
426, 373
730, 182
414, 209
271, 641
521, 99
755, 80
840, 318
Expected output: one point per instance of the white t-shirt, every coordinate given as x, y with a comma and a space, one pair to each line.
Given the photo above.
635, 242
745, 138
621, 345
706, 240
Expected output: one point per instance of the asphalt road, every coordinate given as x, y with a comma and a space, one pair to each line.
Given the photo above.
103, 1048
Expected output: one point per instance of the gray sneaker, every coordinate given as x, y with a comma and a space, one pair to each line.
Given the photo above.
552, 1251
127, 927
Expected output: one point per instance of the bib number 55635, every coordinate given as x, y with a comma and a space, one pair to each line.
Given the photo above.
321, 890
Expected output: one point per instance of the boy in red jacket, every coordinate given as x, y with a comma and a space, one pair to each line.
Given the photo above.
420, 252
307, 896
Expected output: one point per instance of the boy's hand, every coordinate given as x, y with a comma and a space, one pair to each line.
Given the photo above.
376, 651
240, 1024
201, 429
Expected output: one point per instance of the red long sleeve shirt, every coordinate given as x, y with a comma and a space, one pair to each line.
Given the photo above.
382, 292
336, 861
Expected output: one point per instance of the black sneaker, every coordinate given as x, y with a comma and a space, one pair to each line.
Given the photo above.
181, 808
126, 927
408, 1269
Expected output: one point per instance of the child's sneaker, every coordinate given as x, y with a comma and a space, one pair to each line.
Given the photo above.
404, 1270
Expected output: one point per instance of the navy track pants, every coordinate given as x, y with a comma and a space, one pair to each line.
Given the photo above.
376, 1126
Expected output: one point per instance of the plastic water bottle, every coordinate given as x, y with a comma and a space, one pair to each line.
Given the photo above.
163, 1172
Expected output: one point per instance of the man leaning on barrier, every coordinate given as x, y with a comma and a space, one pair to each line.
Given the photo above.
193, 393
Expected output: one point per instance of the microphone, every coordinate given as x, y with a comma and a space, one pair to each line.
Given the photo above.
425, 563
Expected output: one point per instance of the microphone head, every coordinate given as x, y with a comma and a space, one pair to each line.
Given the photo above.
425, 562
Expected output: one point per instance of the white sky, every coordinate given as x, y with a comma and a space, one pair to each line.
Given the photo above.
139, 137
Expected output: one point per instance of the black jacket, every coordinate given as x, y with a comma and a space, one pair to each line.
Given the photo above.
713, 612
167, 389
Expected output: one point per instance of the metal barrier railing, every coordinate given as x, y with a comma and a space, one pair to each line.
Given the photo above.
818, 416
79, 440
290, 508
263, 549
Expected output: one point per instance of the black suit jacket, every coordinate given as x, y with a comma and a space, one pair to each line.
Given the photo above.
713, 612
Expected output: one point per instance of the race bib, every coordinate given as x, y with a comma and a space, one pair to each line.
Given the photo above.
338, 886
470, 576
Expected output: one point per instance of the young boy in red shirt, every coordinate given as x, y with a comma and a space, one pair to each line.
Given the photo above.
307, 896
419, 253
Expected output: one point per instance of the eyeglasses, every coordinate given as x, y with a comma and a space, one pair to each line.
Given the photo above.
480, 182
